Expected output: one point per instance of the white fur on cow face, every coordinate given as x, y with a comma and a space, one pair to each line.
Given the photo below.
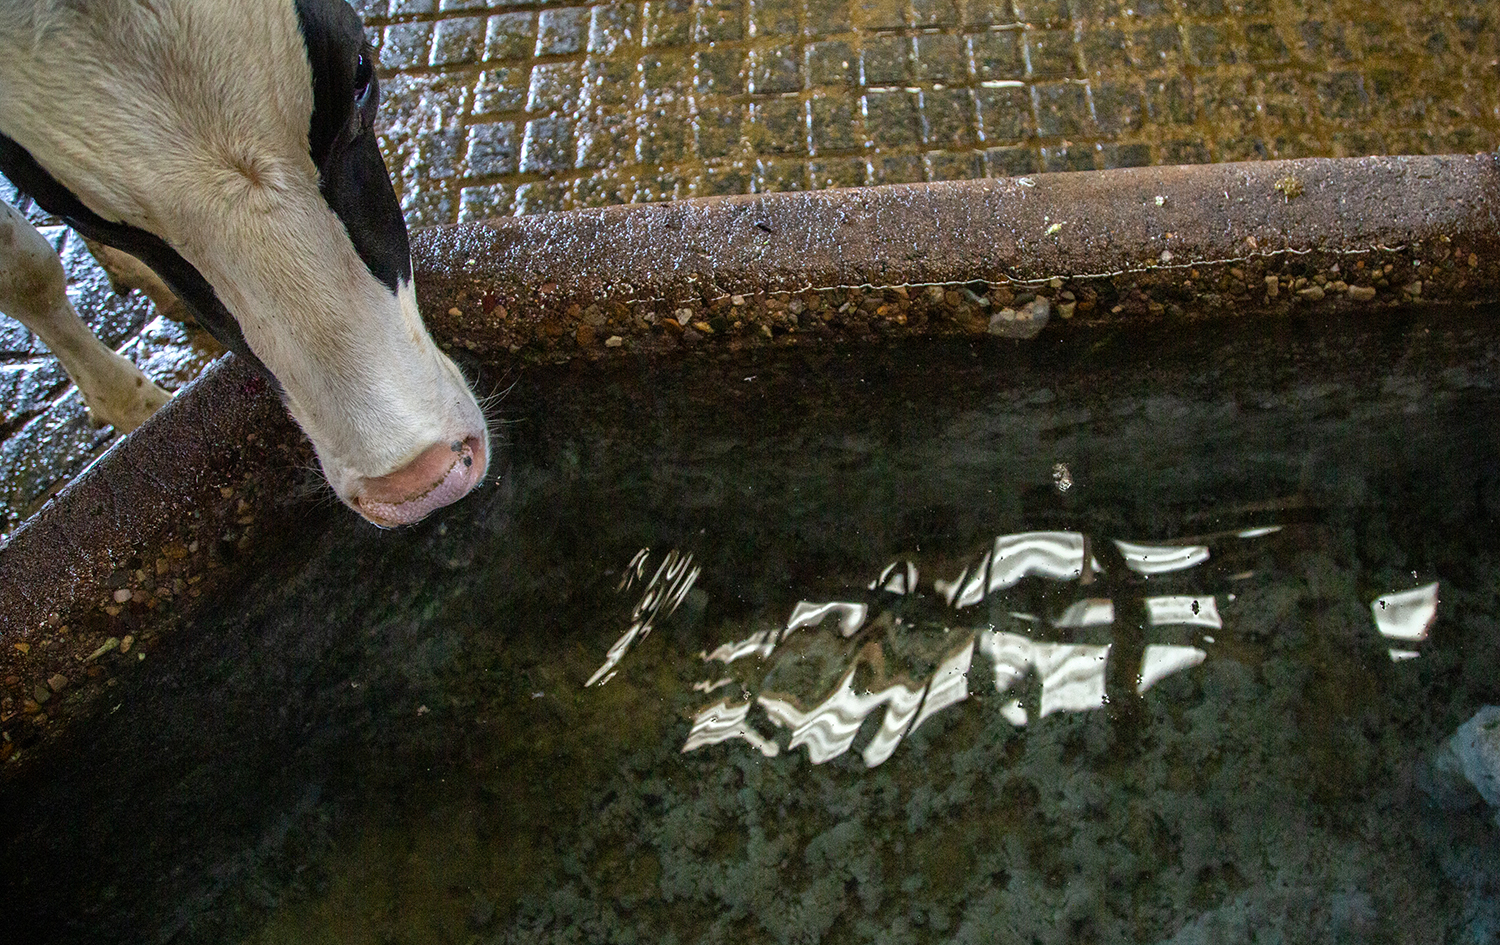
189, 119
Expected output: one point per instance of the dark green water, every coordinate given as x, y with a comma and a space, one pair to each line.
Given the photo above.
388, 737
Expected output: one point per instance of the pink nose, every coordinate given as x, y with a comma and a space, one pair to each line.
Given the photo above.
442, 474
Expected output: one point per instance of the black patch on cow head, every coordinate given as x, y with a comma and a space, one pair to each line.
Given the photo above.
341, 142
341, 138
17, 164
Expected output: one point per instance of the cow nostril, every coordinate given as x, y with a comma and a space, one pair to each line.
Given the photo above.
440, 475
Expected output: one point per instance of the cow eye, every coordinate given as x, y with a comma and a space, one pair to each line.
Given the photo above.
364, 81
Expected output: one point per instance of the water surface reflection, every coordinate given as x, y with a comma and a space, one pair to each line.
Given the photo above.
937, 626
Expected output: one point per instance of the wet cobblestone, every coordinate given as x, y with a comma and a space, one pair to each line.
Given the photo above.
630, 102
508, 108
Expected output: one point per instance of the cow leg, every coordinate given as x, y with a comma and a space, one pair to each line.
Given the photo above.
33, 291
126, 272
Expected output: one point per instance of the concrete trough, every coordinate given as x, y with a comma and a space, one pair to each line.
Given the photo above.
182, 509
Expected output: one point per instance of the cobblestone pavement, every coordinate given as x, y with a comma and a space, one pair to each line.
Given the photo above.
505, 108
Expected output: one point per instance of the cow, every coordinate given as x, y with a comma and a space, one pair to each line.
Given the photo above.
230, 145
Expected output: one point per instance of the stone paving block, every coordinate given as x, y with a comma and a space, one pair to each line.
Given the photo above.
1282, 98
666, 23
999, 55
718, 21
562, 32
723, 181
718, 132
555, 87
828, 17
838, 172
27, 388
493, 149
1051, 54
1185, 152
1011, 161
1061, 109
992, 13
169, 353
1070, 158
1053, 12
483, 203
427, 206
500, 89
721, 71
897, 169
879, 14
928, 14
404, 43
948, 118
833, 62
509, 36
833, 125
666, 74
666, 135
601, 190
370, 8
886, 60
1105, 50
612, 26
776, 176
1210, 45
17, 341
1265, 46
1005, 114
775, 69
940, 57
1342, 96
1158, 48
662, 185
547, 145
1240, 148
605, 139
438, 153
610, 84
773, 18
893, 117
1170, 102
458, 41
52, 448
113, 317
1226, 101
1119, 107
543, 196
1125, 155
779, 126
945, 165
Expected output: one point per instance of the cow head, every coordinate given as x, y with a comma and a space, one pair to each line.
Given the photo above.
231, 145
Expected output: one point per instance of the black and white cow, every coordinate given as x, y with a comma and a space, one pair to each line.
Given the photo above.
230, 144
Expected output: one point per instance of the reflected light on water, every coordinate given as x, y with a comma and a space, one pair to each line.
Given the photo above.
1055, 555
1162, 660
1071, 675
1151, 559
1406, 617
662, 595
